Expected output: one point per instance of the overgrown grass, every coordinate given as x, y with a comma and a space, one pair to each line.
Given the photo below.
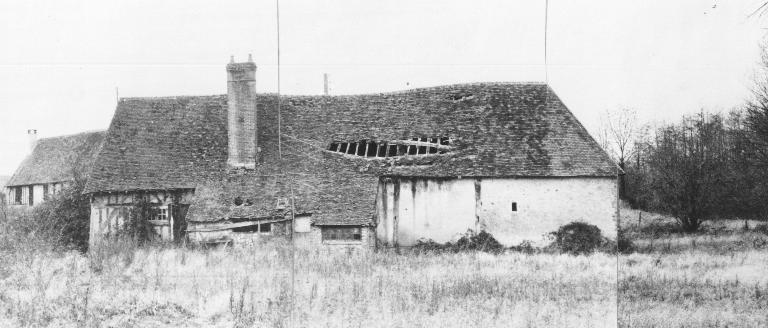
276, 285
713, 278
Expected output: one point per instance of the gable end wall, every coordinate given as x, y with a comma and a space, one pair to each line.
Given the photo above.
409, 209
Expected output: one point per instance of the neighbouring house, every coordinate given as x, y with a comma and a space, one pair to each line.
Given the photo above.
51, 166
370, 170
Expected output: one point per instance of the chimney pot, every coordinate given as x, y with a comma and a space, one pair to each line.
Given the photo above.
250, 59
231, 59
32, 136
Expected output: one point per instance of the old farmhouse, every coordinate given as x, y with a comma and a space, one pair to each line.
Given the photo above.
52, 165
364, 170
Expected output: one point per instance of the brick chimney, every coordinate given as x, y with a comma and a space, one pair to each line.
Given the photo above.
32, 136
241, 113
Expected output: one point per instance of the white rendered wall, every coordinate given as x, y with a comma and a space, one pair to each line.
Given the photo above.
442, 210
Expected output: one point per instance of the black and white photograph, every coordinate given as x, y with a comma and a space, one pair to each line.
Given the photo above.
420, 163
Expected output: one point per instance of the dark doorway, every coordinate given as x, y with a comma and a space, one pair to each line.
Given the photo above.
179, 213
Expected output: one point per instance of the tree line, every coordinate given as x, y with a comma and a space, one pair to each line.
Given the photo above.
704, 166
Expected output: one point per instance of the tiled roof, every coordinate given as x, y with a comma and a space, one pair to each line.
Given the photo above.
162, 143
58, 159
498, 129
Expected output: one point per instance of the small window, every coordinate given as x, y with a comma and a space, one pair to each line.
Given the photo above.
514, 206
341, 233
265, 227
161, 214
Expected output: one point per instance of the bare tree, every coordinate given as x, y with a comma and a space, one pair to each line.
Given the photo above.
691, 171
757, 112
622, 136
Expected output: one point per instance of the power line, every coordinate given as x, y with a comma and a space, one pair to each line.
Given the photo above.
282, 168
546, 22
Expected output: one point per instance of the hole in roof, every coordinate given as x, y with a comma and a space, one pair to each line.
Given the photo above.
361, 148
238, 201
384, 149
461, 97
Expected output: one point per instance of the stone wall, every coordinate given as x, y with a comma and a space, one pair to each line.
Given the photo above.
409, 209
314, 240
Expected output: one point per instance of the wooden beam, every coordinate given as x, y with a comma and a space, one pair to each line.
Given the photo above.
228, 226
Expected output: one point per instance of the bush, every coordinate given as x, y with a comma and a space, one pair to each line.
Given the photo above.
656, 229
470, 241
578, 238
61, 222
623, 243
525, 247
136, 226
429, 246
482, 241
761, 228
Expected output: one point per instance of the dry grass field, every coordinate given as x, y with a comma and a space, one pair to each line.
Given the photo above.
272, 286
716, 278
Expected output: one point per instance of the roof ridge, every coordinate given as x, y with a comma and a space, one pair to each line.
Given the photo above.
74, 134
172, 97
394, 92
434, 87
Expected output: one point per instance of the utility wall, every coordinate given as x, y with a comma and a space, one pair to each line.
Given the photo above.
409, 209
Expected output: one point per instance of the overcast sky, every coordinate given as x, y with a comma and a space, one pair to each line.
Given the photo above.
63, 60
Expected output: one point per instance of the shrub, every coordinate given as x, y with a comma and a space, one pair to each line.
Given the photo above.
136, 226
61, 222
658, 229
623, 243
470, 241
114, 252
525, 247
482, 241
429, 246
761, 228
577, 238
